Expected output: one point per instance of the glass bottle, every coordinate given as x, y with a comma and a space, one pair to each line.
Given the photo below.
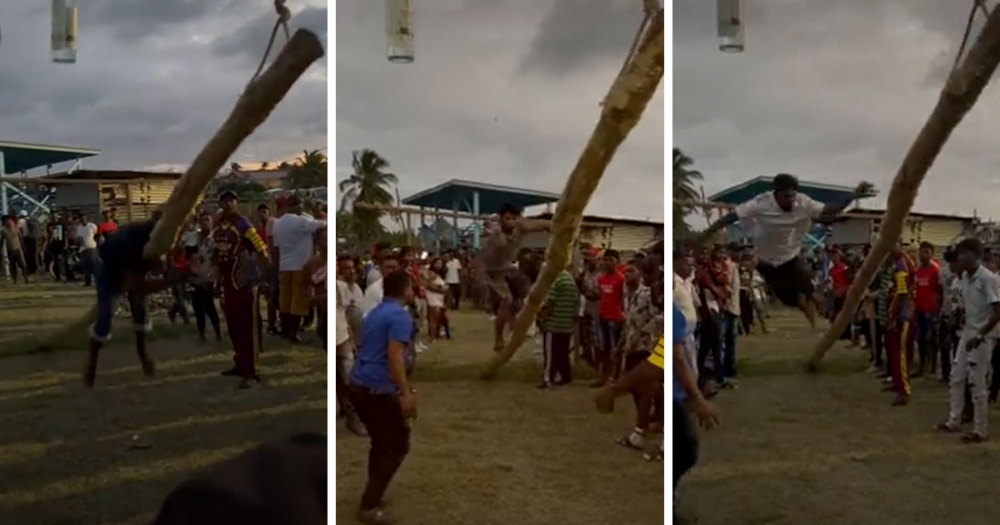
399, 31
64, 20
730, 17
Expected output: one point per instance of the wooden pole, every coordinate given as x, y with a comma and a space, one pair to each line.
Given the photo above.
626, 100
960, 93
252, 109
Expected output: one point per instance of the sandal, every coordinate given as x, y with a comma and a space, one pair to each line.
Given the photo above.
946, 428
973, 438
652, 456
627, 443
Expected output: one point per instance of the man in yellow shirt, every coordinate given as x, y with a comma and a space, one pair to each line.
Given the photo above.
687, 396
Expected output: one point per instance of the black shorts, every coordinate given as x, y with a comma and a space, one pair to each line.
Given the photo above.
788, 281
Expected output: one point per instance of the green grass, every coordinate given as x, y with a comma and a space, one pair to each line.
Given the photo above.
121, 335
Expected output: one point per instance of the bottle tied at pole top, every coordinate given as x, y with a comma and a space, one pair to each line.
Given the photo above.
399, 31
64, 31
730, 21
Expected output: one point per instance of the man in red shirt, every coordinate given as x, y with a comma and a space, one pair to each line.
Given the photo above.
108, 225
712, 293
927, 281
840, 282
611, 315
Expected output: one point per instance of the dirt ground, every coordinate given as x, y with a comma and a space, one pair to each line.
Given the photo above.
828, 449
482, 453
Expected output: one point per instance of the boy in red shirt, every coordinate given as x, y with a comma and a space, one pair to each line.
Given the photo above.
611, 315
108, 225
927, 281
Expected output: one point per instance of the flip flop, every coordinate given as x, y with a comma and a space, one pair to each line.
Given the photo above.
627, 443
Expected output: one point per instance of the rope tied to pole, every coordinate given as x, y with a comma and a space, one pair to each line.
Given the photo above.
977, 5
650, 8
284, 15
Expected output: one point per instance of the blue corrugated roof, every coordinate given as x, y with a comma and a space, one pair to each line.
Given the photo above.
21, 156
458, 194
744, 192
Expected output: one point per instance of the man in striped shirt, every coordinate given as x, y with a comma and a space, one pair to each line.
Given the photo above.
557, 321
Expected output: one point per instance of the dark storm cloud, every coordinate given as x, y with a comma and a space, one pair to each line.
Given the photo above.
139, 19
579, 33
474, 104
832, 91
147, 88
249, 40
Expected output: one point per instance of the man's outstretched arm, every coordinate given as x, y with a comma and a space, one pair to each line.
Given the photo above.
832, 209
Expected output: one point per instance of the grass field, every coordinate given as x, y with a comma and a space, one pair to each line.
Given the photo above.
828, 449
501, 452
793, 449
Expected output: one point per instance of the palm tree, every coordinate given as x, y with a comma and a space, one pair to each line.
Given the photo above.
369, 183
308, 171
683, 185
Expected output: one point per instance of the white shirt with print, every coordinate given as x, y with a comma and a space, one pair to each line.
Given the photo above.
778, 234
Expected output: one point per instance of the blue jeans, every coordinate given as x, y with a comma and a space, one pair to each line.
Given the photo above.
710, 336
88, 263
727, 327
108, 293
926, 337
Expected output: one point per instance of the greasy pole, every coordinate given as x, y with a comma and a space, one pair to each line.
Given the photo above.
960, 93
628, 97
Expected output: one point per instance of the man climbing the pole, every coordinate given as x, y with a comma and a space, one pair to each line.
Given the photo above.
782, 218
242, 261
503, 241
120, 269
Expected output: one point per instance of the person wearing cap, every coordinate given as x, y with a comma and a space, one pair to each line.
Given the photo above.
294, 236
242, 260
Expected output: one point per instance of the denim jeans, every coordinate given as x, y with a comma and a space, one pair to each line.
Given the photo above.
108, 293
88, 263
926, 337
710, 345
727, 327
179, 308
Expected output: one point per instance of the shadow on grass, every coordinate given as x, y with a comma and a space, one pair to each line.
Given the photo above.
121, 334
527, 371
835, 366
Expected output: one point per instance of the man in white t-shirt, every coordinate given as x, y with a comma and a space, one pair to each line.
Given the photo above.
781, 219
453, 278
86, 232
293, 235
373, 294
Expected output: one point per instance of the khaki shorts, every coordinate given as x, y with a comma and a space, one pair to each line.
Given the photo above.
293, 290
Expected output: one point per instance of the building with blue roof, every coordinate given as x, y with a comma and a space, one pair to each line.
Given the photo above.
21, 157
475, 198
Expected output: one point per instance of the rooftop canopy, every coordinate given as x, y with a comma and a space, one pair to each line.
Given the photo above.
463, 195
21, 156
748, 190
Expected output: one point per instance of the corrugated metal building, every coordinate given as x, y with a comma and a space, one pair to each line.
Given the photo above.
135, 194
861, 226
624, 235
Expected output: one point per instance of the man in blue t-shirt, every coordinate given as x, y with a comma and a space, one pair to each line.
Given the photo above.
380, 392
687, 396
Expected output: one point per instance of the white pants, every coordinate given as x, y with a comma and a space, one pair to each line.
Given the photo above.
972, 368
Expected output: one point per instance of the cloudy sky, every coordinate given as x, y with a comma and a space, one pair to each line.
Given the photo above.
501, 92
834, 92
153, 81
